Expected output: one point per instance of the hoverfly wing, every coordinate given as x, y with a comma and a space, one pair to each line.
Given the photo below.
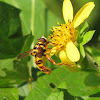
24, 54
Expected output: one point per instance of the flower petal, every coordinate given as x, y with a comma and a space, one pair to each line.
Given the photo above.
72, 69
83, 13
72, 52
67, 10
64, 59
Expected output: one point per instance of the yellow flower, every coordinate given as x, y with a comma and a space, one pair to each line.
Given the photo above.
65, 35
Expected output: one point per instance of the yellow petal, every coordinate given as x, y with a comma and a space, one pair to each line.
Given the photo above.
72, 69
83, 13
72, 52
67, 10
64, 59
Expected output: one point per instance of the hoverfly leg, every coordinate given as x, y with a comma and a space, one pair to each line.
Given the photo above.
52, 61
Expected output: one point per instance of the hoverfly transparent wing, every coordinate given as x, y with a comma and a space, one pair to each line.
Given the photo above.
24, 54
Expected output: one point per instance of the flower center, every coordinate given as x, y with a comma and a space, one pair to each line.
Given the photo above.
62, 34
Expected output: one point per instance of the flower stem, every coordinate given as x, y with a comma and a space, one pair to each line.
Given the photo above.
30, 77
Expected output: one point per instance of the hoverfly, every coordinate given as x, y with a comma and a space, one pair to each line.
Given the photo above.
40, 50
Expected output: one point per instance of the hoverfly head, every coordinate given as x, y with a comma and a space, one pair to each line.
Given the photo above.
42, 39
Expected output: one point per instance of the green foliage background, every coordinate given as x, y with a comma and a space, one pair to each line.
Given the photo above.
22, 22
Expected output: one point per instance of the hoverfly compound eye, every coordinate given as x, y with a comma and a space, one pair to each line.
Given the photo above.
42, 39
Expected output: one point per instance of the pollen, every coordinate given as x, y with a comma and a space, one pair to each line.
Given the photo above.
62, 34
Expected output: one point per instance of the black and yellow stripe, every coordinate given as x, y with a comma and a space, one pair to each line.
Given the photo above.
41, 66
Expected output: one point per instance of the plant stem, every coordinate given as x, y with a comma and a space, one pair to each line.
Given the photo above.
30, 77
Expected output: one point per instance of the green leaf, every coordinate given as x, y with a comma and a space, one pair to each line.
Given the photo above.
75, 81
56, 96
88, 64
82, 52
10, 48
92, 79
5, 63
87, 37
11, 39
26, 13
9, 93
17, 75
13, 69
95, 53
47, 85
24, 90
63, 85
9, 16
13, 77
93, 98
78, 82
84, 28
